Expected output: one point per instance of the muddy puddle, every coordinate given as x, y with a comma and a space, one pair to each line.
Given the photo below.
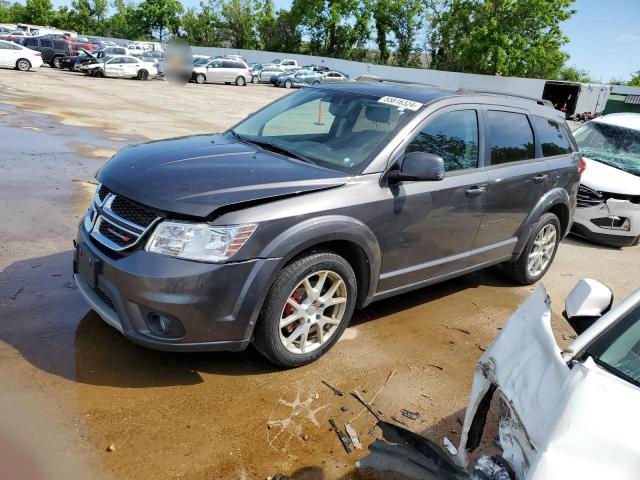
205, 415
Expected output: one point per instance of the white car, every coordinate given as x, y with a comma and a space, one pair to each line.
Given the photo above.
16, 56
608, 209
123, 66
569, 413
334, 76
221, 70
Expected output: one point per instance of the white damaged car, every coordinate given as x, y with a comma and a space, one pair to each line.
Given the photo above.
571, 413
608, 209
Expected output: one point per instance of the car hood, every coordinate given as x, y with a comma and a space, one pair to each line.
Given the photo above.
198, 175
604, 178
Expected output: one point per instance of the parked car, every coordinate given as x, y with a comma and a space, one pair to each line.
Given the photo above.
288, 65
74, 62
609, 196
110, 51
334, 76
300, 78
16, 56
568, 413
124, 66
317, 68
220, 70
325, 200
270, 73
52, 50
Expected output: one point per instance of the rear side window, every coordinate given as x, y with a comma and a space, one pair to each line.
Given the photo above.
453, 136
509, 137
553, 138
46, 43
227, 64
60, 45
30, 42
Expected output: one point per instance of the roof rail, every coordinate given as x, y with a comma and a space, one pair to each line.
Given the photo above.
373, 78
539, 101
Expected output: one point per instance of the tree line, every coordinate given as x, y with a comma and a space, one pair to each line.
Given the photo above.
495, 37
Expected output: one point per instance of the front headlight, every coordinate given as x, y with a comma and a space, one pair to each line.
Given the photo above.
199, 241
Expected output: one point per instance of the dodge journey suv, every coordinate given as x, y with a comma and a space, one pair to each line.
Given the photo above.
330, 198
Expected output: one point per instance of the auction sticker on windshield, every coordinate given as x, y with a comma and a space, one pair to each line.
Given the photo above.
401, 102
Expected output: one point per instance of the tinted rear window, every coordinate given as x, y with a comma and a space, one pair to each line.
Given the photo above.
227, 64
553, 137
509, 137
60, 45
30, 42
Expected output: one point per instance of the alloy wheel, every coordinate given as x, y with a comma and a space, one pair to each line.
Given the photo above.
543, 247
23, 65
313, 312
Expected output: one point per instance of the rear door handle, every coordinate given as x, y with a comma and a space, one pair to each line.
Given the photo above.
475, 191
539, 178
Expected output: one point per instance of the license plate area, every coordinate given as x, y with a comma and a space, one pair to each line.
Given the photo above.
88, 264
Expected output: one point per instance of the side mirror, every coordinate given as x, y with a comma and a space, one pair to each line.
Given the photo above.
586, 303
419, 166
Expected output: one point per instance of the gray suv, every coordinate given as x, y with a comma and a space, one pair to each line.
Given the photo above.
324, 201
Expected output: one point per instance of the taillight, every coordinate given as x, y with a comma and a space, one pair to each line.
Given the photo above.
582, 166
37, 54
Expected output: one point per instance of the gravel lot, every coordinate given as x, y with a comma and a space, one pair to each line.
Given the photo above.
72, 386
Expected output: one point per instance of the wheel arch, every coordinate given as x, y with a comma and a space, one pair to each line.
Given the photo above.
345, 236
556, 201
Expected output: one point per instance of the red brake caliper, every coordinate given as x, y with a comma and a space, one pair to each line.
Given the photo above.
288, 310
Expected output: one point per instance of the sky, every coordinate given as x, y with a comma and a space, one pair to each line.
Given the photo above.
604, 36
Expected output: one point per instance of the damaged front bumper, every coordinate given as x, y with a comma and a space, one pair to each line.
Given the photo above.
613, 222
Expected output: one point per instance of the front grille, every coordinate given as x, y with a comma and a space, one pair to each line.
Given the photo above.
133, 212
105, 299
102, 192
588, 197
118, 236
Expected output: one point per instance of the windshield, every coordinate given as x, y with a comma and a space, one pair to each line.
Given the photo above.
201, 61
615, 146
335, 129
618, 348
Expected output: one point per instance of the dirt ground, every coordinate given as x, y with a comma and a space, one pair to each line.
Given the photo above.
73, 386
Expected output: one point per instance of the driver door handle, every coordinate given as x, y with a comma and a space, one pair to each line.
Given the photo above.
475, 191
539, 178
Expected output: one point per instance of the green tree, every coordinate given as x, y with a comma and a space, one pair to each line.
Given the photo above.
12, 12
160, 17
203, 27
239, 24
39, 12
573, 74
406, 18
635, 80
334, 27
501, 37
283, 35
124, 22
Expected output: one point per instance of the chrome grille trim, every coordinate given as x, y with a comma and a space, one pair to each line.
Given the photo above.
101, 212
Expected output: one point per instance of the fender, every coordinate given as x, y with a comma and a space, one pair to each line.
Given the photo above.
555, 196
314, 231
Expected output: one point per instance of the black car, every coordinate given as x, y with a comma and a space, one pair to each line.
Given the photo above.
324, 201
52, 50
75, 61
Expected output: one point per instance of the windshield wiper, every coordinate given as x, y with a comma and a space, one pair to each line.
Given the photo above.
277, 148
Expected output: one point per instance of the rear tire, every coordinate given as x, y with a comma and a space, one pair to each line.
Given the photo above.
143, 75
538, 253
23, 65
241, 81
255, 79
200, 78
320, 317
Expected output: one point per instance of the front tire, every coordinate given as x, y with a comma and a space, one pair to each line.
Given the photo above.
255, 79
200, 78
23, 65
538, 253
288, 84
240, 81
306, 310
143, 75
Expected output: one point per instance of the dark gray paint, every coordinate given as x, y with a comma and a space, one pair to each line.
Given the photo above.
411, 233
